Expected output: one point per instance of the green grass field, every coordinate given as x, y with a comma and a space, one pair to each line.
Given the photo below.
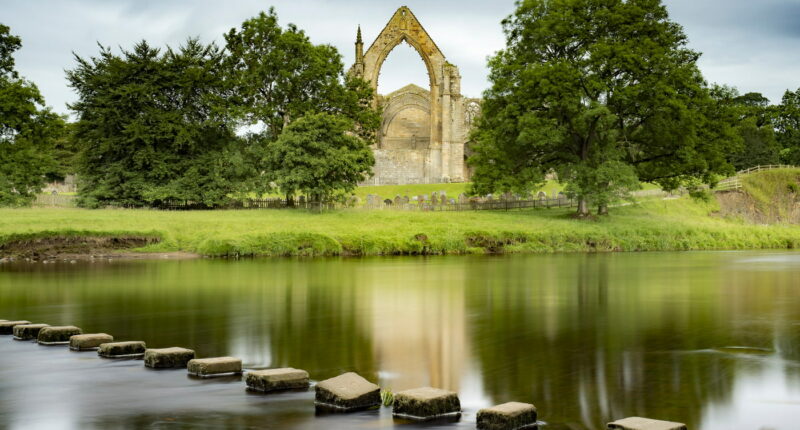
453, 190
682, 224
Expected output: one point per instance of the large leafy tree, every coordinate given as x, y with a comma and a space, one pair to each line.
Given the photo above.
788, 127
28, 131
151, 128
319, 156
755, 126
278, 75
602, 92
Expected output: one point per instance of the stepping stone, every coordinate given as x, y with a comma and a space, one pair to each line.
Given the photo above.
7, 327
89, 342
214, 366
28, 331
508, 416
167, 358
57, 335
347, 392
276, 379
425, 403
129, 349
637, 423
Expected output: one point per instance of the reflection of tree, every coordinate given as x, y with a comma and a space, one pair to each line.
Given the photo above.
281, 313
588, 342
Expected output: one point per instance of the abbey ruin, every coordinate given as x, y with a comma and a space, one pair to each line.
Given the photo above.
424, 132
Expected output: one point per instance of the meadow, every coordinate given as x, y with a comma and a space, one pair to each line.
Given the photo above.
650, 225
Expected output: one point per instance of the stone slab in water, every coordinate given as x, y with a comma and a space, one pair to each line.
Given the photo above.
129, 349
89, 342
214, 366
347, 392
508, 416
168, 358
277, 379
425, 403
57, 335
638, 423
7, 327
28, 331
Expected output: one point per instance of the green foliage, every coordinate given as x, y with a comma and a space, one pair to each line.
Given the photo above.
28, 131
8, 45
277, 75
387, 397
318, 156
752, 118
150, 126
651, 225
602, 93
788, 127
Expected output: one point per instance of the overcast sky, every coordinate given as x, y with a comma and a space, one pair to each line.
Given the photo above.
751, 44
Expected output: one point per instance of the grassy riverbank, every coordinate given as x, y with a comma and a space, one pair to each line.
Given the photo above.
654, 225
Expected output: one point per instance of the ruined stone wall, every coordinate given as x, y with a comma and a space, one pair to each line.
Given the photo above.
424, 133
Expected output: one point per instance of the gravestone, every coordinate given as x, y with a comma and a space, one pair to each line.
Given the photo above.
387, 202
462, 198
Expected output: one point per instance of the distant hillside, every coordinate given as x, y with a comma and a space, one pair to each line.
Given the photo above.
766, 197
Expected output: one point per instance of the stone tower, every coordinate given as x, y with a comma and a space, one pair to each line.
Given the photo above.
424, 131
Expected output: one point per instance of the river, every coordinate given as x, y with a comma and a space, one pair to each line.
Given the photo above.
711, 339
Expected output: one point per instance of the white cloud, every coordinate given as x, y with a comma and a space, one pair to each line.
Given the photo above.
749, 44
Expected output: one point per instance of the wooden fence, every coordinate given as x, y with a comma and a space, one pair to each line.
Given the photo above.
735, 182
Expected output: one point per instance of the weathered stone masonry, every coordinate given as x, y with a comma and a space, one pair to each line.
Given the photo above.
423, 135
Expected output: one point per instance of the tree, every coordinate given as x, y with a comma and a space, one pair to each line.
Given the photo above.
319, 156
755, 126
601, 92
28, 131
151, 128
788, 127
277, 75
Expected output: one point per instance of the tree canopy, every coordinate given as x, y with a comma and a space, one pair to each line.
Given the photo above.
28, 131
159, 126
319, 156
788, 127
150, 126
604, 93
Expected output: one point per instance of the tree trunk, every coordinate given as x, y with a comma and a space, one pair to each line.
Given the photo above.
583, 207
289, 201
602, 209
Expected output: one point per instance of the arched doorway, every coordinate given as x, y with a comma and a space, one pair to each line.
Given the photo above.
423, 132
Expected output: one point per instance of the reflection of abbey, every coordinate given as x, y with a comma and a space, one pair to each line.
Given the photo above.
424, 131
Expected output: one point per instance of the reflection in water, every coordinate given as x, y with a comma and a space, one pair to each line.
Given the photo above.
587, 338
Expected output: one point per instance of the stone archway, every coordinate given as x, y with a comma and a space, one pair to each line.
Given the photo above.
441, 158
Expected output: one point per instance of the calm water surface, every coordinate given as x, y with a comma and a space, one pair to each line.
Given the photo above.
709, 339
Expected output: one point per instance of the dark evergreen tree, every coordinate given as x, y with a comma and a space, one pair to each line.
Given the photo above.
151, 128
